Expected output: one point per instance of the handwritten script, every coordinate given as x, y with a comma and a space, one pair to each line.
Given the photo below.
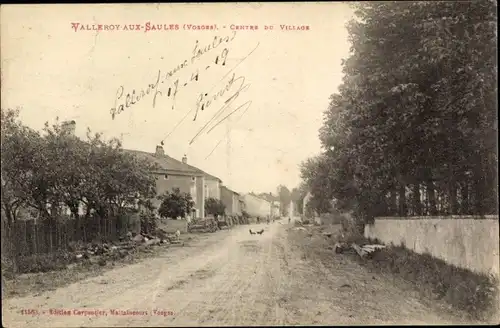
165, 82
222, 94
227, 94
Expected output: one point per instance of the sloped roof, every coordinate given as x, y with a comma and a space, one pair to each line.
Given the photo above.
268, 197
265, 196
166, 163
234, 192
203, 172
257, 196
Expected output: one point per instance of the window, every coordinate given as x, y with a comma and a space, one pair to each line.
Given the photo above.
165, 177
193, 179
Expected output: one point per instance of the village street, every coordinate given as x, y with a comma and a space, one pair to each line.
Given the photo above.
233, 278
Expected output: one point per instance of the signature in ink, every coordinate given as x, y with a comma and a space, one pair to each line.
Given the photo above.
215, 120
204, 100
127, 100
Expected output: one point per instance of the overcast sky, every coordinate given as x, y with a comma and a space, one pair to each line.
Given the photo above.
50, 70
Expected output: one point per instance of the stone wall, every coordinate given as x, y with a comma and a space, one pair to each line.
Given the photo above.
465, 241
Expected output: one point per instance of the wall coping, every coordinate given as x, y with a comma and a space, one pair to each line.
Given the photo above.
443, 217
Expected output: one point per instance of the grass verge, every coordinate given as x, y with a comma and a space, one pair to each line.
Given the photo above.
473, 293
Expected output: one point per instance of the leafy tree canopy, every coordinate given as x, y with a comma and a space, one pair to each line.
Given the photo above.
416, 110
175, 204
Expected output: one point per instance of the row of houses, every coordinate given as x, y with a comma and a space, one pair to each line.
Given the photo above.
261, 205
172, 173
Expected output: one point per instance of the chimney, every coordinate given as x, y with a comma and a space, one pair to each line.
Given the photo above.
68, 127
184, 159
159, 151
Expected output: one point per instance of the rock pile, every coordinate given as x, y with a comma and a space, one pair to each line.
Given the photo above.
125, 245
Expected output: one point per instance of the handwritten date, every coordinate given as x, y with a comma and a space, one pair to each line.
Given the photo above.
127, 100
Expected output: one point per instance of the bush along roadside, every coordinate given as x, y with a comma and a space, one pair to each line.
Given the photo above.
474, 293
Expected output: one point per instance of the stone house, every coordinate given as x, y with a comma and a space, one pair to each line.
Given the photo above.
172, 173
242, 204
212, 184
257, 206
179, 174
274, 201
231, 200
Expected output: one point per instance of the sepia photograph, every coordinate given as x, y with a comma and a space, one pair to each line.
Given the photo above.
249, 164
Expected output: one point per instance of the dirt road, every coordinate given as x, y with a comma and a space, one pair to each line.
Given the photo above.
241, 279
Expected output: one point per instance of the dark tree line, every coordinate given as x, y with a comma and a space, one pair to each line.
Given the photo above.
413, 128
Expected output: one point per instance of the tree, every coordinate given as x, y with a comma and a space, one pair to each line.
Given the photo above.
299, 193
214, 207
175, 204
285, 199
45, 173
317, 176
295, 199
127, 180
295, 194
415, 113
49, 170
20, 162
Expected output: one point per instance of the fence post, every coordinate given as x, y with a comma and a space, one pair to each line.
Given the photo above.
58, 235
50, 237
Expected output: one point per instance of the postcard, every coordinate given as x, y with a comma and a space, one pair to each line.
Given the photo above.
249, 164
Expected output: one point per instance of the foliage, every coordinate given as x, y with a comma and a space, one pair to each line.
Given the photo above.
214, 207
295, 194
20, 155
309, 210
298, 195
285, 198
245, 215
316, 173
53, 170
412, 129
175, 204
464, 290
149, 222
45, 262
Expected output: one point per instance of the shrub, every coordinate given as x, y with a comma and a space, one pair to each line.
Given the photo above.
149, 223
45, 262
331, 218
350, 225
175, 204
214, 207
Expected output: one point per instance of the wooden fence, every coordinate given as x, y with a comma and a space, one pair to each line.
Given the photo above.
28, 237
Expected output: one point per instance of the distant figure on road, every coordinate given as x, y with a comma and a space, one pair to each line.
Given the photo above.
258, 219
289, 220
